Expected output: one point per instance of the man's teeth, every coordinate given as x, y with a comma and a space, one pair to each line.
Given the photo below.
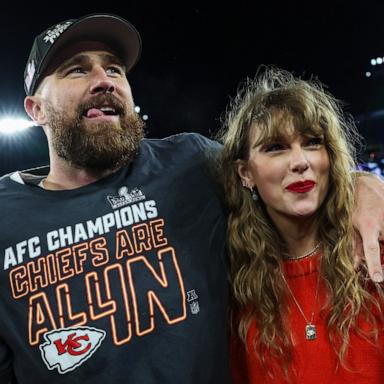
108, 110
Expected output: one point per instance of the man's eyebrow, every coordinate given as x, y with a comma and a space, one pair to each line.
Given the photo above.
112, 59
76, 60
84, 60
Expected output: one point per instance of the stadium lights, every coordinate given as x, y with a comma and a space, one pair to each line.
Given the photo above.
377, 61
138, 109
10, 125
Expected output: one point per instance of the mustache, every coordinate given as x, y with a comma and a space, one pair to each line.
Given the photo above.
99, 101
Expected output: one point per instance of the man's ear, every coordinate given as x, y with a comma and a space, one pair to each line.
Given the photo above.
244, 174
32, 105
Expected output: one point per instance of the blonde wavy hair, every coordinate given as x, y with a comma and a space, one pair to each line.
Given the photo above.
256, 250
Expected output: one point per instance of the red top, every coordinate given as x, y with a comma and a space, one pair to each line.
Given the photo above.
314, 361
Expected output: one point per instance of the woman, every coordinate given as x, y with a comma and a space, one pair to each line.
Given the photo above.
301, 313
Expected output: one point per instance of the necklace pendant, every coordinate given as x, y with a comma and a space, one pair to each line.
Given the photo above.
310, 332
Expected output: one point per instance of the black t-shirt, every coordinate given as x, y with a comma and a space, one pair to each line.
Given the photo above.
120, 281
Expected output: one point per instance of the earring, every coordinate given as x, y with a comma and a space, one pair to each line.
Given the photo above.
254, 194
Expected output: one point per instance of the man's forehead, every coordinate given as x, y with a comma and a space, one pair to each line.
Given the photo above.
81, 49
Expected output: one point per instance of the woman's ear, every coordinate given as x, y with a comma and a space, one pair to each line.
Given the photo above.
244, 174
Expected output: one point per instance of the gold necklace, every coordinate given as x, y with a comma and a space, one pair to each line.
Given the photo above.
310, 328
307, 254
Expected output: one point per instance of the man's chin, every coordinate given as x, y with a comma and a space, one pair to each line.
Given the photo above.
98, 160
100, 125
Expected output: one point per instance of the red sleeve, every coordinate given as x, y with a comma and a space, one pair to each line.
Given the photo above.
238, 361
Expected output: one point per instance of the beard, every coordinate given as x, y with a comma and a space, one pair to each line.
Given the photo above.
96, 146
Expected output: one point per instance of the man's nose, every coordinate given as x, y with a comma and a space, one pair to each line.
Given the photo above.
101, 83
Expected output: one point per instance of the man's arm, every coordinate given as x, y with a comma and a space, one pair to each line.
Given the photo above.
368, 220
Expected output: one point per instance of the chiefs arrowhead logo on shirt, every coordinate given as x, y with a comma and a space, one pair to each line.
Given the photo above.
68, 348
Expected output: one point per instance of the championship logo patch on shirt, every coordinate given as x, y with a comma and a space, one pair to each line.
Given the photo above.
68, 348
125, 197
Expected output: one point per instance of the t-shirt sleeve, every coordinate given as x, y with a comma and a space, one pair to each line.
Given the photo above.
203, 152
210, 151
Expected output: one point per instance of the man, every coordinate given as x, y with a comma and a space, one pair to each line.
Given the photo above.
113, 257
113, 268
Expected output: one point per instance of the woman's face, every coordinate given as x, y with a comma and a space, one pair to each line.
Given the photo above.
291, 173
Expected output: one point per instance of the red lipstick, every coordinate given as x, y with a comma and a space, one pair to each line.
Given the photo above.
301, 186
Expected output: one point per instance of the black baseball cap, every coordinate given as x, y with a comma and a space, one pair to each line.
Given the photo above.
110, 29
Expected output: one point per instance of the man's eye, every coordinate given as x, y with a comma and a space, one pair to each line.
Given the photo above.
114, 70
75, 70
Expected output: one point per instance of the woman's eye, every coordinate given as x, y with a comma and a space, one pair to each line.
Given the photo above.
315, 142
273, 147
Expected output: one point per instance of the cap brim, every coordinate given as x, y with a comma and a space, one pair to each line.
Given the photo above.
112, 30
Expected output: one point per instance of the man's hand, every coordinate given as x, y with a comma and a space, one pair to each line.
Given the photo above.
368, 220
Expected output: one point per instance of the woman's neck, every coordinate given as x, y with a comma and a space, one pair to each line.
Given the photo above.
299, 234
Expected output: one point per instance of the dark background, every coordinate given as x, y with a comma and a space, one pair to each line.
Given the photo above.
196, 53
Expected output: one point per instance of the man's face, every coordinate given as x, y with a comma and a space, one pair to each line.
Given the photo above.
89, 109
